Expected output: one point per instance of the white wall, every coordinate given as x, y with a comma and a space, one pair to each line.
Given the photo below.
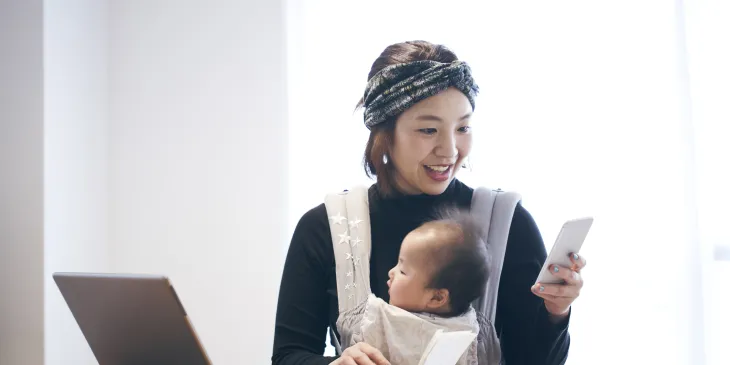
76, 151
198, 161
153, 143
21, 182
709, 54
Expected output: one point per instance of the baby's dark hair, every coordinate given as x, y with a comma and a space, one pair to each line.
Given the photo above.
461, 263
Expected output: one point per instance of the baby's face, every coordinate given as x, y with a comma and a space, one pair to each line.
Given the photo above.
409, 279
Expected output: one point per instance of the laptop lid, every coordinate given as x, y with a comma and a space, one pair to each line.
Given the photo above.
131, 318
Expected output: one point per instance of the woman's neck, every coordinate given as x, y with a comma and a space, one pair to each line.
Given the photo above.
399, 193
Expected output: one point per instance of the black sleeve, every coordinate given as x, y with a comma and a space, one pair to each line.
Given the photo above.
526, 334
302, 310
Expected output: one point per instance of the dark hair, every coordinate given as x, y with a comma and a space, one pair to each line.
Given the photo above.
462, 267
381, 138
461, 262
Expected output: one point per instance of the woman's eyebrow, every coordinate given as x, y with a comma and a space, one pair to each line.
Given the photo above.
429, 117
435, 118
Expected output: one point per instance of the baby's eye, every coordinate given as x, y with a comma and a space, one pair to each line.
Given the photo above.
428, 131
402, 272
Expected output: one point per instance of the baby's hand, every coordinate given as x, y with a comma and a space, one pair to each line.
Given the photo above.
361, 354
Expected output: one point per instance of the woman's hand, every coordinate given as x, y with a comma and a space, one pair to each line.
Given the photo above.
559, 297
361, 354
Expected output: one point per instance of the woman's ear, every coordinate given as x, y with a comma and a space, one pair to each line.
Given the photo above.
439, 299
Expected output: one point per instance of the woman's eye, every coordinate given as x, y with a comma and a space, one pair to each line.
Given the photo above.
465, 129
428, 131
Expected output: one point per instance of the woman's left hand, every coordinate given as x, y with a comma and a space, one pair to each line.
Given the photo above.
559, 297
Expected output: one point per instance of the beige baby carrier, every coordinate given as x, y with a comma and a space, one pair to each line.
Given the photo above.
403, 336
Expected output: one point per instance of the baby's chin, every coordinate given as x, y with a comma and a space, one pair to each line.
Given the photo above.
404, 306
396, 303
416, 309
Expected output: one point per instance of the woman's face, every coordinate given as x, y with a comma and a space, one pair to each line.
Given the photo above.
432, 139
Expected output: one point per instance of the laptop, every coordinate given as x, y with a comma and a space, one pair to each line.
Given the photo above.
131, 319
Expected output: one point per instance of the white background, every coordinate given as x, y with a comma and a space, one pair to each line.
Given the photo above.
144, 137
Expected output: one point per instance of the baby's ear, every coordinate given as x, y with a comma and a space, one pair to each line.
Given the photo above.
439, 298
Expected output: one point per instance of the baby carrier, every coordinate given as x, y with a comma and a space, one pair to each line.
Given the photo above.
359, 309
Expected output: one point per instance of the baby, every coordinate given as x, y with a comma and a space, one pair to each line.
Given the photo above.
442, 268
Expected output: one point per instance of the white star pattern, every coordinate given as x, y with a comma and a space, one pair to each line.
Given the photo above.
337, 219
355, 223
348, 232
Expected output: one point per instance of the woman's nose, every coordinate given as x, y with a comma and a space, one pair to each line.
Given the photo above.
446, 146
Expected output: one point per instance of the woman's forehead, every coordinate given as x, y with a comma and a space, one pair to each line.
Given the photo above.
450, 104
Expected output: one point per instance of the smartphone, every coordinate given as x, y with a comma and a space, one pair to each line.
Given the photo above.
570, 239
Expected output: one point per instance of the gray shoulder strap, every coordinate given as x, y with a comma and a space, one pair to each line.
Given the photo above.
495, 209
349, 217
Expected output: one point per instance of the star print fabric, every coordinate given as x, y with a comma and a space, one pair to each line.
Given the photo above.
350, 226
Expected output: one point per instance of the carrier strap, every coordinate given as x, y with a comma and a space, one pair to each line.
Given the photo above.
349, 221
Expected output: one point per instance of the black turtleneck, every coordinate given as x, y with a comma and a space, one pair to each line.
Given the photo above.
308, 293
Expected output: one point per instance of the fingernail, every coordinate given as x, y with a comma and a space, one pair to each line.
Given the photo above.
575, 256
542, 288
556, 269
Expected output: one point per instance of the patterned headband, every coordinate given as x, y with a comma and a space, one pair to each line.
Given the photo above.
398, 87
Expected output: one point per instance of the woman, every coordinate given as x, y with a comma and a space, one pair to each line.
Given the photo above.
417, 106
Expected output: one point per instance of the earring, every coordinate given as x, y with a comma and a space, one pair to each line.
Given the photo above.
467, 164
385, 159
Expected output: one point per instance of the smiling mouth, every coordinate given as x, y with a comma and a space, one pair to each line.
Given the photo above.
438, 168
438, 173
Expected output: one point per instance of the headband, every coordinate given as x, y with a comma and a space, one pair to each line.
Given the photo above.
398, 87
